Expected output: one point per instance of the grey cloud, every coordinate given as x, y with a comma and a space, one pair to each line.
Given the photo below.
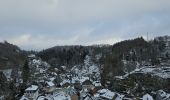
64, 22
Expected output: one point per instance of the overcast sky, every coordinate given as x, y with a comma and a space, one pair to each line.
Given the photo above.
40, 24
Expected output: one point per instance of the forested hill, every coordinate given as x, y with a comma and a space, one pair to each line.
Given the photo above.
109, 56
136, 49
133, 65
132, 50
10, 55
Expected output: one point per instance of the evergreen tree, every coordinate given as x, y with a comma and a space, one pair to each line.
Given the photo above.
25, 72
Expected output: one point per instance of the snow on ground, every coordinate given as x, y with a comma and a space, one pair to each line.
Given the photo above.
7, 73
163, 72
65, 81
80, 79
105, 93
32, 87
89, 68
97, 83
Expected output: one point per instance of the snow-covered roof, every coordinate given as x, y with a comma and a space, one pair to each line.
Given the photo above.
103, 91
64, 82
60, 96
96, 95
52, 79
108, 95
31, 56
162, 72
97, 83
50, 83
32, 88
84, 79
147, 97
7, 73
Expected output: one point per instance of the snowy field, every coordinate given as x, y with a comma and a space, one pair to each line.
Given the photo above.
163, 71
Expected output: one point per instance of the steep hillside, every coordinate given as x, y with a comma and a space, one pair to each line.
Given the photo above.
10, 55
112, 60
64, 55
131, 67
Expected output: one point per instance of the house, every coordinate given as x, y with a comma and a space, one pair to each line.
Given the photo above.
85, 96
32, 92
147, 97
50, 87
107, 94
50, 84
161, 95
87, 84
97, 84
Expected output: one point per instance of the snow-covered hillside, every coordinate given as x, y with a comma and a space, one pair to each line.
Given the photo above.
160, 71
88, 69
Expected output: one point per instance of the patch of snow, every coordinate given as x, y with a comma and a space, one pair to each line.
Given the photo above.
52, 79
102, 91
108, 94
31, 56
96, 95
97, 83
83, 79
64, 81
163, 72
32, 88
7, 73
50, 84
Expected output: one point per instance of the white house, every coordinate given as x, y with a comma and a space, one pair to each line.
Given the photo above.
31, 92
108, 95
147, 97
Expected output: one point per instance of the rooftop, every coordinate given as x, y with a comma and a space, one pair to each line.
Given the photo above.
32, 88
